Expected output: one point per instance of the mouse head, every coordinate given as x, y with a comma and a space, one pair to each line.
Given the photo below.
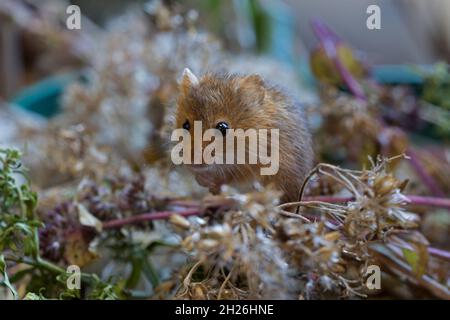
220, 101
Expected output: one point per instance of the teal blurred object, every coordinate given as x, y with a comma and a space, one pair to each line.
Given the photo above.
397, 74
389, 74
44, 96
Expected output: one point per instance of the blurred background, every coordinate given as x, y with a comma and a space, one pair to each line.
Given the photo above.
413, 31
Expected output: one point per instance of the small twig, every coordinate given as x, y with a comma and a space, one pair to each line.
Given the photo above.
222, 287
343, 180
187, 279
413, 200
295, 216
329, 199
302, 189
349, 289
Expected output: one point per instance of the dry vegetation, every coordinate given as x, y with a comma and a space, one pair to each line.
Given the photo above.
110, 200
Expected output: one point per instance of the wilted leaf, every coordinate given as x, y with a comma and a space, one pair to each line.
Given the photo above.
77, 250
179, 221
87, 219
418, 261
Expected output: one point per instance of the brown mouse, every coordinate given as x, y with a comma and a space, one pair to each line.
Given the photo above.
224, 102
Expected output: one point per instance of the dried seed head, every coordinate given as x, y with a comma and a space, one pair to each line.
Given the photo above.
179, 221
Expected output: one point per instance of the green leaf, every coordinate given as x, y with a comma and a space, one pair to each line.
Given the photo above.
417, 262
135, 275
34, 296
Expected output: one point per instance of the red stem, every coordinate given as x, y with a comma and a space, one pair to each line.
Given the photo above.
439, 253
416, 200
430, 201
329, 42
117, 223
195, 211
185, 203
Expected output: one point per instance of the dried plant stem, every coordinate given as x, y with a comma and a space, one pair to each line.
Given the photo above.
295, 216
345, 282
329, 199
187, 279
224, 283
414, 200
302, 189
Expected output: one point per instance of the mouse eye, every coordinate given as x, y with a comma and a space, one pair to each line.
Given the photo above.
186, 125
222, 127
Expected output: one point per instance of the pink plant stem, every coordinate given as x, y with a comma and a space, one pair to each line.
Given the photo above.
424, 176
117, 223
329, 42
430, 201
185, 203
439, 253
161, 215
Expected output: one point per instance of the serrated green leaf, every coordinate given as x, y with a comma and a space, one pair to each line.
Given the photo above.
33, 296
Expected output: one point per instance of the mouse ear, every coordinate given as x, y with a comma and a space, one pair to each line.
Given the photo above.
188, 81
252, 86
